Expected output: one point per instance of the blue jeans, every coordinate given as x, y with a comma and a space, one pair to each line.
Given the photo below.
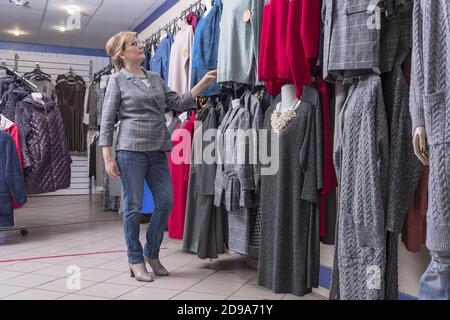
435, 282
134, 167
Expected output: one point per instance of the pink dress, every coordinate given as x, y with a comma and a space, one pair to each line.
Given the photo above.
179, 171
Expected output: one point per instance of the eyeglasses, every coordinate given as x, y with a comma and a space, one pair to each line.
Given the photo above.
136, 43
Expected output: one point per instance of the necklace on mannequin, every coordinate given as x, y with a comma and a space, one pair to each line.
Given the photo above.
280, 119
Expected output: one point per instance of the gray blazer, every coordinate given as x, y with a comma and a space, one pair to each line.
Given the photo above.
140, 110
234, 185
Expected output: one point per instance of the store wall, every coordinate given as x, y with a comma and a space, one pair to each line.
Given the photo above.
53, 63
411, 265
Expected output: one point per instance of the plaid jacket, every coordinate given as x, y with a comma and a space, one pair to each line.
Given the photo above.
234, 185
353, 43
142, 125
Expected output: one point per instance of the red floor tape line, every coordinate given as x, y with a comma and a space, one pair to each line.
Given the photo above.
71, 223
65, 256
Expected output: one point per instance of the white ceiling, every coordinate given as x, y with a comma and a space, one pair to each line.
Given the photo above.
100, 19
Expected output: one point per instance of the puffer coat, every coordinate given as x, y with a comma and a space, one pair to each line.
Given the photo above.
45, 151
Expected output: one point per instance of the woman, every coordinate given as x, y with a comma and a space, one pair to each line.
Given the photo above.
139, 99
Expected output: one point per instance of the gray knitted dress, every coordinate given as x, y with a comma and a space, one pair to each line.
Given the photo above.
363, 161
430, 107
289, 248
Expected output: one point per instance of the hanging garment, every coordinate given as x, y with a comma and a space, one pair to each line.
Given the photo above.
414, 233
192, 20
206, 226
179, 163
71, 92
4, 86
255, 235
240, 31
430, 108
180, 66
92, 155
329, 173
12, 185
45, 87
354, 43
10, 128
362, 160
253, 106
206, 48
405, 169
100, 93
235, 183
289, 43
46, 157
10, 99
249, 243
92, 105
160, 61
289, 251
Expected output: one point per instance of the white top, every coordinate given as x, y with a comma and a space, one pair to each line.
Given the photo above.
180, 66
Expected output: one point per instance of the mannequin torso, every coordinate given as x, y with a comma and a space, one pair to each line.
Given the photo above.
288, 96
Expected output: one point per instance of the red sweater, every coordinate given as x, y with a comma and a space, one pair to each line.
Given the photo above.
329, 173
290, 41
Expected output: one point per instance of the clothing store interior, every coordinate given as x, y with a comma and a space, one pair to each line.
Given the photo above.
338, 190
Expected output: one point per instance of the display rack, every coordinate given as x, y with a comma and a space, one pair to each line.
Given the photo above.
155, 36
23, 229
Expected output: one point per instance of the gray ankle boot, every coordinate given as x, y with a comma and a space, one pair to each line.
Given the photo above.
139, 272
157, 267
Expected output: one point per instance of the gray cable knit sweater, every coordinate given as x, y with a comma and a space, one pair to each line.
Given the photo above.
430, 107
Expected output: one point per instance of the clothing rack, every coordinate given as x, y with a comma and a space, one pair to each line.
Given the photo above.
103, 71
15, 73
54, 68
172, 23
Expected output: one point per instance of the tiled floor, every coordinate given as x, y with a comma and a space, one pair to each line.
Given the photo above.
70, 236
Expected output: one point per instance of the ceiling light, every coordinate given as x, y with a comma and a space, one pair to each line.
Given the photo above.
61, 28
16, 32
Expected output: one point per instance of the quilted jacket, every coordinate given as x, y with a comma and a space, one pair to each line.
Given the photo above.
12, 186
14, 94
45, 152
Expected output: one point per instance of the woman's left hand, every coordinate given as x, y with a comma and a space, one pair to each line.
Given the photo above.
209, 78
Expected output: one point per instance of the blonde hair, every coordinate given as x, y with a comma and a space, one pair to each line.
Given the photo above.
116, 45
